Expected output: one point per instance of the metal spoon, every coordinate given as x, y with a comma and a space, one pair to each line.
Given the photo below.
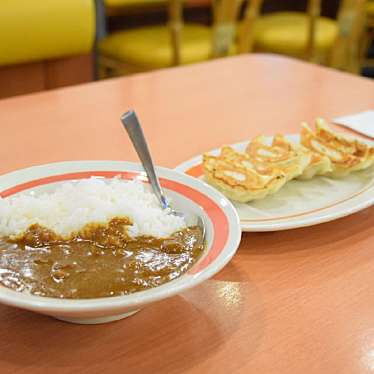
133, 128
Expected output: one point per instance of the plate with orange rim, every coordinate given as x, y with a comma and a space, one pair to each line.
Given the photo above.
299, 203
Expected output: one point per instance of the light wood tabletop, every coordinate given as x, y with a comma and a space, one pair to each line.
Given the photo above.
299, 301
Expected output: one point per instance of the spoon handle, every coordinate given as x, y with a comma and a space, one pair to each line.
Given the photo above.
133, 128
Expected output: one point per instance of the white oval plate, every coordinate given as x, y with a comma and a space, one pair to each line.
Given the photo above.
299, 203
187, 194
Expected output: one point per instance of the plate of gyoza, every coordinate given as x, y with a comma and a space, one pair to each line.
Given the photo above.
283, 182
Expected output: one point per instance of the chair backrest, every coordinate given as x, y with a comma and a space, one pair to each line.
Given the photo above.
246, 34
253, 9
44, 30
346, 54
314, 11
175, 25
225, 20
225, 16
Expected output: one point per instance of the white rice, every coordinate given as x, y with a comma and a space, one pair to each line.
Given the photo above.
74, 204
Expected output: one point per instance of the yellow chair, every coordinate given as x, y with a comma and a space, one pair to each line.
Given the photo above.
369, 34
308, 35
347, 52
40, 30
162, 46
370, 12
45, 44
288, 32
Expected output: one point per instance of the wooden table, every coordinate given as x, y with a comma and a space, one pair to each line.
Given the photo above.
299, 301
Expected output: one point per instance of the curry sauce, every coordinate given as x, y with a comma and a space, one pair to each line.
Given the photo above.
99, 261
